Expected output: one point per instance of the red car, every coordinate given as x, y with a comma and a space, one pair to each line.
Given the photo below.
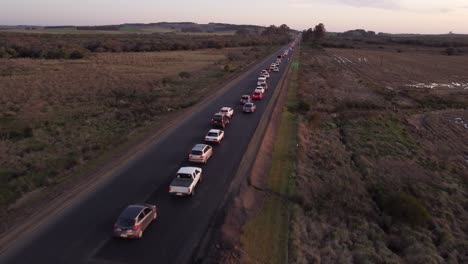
257, 96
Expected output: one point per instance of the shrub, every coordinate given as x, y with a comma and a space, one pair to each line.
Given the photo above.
77, 54
451, 51
185, 75
299, 107
402, 207
234, 56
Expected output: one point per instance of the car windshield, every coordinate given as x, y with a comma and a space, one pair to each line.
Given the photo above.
224, 111
184, 176
245, 97
212, 134
197, 152
248, 105
125, 222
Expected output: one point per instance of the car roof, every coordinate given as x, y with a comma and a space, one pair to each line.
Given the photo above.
132, 211
188, 170
199, 147
249, 104
226, 108
214, 131
221, 114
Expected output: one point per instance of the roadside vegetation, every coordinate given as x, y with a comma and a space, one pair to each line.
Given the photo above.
265, 237
59, 116
382, 164
78, 46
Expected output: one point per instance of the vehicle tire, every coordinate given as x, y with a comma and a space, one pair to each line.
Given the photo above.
140, 233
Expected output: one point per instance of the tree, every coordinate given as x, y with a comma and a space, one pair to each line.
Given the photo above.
307, 35
242, 32
319, 31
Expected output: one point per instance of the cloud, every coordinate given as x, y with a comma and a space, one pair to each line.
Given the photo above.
378, 4
381, 4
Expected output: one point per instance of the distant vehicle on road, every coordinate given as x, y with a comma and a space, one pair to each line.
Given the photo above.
265, 74
257, 96
219, 120
261, 81
185, 182
249, 108
260, 89
134, 219
201, 153
245, 99
276, 69
228, 111
214, 135
264, 85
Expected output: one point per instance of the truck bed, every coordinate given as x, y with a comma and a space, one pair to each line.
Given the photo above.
181, 182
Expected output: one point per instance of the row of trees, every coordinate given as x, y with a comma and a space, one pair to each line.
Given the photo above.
48, 46
315, 34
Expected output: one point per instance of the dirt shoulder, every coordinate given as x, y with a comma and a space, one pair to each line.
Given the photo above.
33, 211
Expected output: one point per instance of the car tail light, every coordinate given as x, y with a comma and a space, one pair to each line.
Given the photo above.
136, 227
189, 155
202, 156
212, 119
170, 189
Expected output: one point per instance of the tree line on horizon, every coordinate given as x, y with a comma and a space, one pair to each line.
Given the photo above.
74, 46
315, 34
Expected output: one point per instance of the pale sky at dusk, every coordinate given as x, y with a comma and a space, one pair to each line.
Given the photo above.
393, 16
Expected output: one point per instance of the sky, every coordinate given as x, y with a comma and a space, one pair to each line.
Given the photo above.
390, 16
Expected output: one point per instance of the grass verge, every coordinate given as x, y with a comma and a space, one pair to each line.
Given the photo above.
265, 237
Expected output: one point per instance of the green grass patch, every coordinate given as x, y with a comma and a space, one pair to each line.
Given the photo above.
378, 136
266, 236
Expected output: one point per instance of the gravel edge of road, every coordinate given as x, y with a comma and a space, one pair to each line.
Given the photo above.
100, 176
244, 168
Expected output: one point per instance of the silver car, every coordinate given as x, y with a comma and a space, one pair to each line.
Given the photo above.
201, 153
133, 221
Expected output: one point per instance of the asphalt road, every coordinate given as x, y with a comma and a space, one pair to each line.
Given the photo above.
83, 234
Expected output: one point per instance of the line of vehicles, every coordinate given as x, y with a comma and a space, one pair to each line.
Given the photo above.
134, 219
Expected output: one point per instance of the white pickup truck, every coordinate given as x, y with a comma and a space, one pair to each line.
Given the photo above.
185, 182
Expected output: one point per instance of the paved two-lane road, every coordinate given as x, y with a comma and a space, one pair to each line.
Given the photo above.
83, 233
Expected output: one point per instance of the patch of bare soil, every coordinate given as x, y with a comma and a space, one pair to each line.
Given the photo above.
382, 173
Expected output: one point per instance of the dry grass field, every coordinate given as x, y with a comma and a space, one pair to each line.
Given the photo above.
56, 116
383, 158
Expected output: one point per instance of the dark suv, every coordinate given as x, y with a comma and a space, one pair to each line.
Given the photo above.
219, 120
